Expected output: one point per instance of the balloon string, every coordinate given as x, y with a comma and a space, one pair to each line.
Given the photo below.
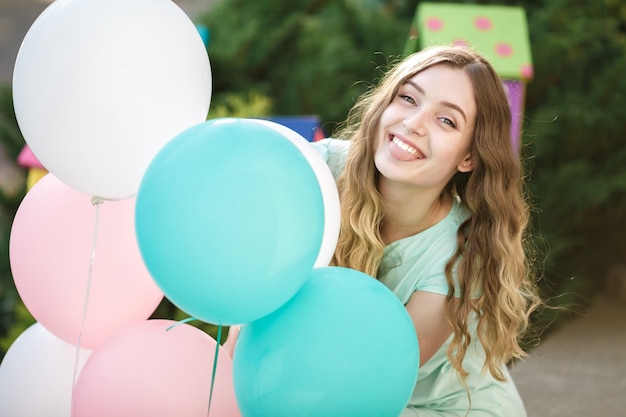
96, 201
187, 320
217, 349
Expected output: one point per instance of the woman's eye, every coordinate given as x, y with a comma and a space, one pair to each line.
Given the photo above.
408, 99
447, 121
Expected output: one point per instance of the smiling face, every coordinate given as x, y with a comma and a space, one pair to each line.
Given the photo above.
424, 135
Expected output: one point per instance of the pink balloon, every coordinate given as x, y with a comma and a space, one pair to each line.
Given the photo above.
50, 251
148, 370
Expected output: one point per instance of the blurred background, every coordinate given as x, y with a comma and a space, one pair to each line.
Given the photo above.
314, 57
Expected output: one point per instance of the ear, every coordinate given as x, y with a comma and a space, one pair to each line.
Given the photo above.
467, 164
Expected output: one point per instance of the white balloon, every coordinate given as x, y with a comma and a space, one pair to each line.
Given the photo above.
330, 194
100, 86
37, 375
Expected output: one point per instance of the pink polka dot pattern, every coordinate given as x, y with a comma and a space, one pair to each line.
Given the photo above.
435, 24
527, 71
499, 32
460, 42
504, 49
483, 23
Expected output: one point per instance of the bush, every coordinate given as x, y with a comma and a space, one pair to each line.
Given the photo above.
307, 56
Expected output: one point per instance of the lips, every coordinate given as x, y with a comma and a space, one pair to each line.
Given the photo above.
403, 151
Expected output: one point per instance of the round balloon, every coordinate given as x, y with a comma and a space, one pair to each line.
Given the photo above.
344, 345
330, 194
230, 219
77, 267
95, 104
158, 368
37, 375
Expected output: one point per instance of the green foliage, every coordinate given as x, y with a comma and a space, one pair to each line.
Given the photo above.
575, 132
236, 105
14, 318
308, 56
22, 319
10, 136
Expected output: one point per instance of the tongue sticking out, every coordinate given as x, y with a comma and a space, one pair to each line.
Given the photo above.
402, 151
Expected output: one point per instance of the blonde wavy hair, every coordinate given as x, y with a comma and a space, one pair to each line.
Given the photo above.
491, 244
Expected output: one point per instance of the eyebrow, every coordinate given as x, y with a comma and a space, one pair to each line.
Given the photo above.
445, 103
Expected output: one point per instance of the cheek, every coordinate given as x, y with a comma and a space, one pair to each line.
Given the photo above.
391, 115
449, 151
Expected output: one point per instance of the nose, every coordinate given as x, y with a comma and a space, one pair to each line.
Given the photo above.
415, 124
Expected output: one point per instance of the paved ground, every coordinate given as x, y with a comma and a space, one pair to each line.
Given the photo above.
580, 369
577, 371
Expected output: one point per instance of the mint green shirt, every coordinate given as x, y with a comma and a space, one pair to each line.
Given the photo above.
417, 263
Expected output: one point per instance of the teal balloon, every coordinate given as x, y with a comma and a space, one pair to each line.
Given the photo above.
229, 220
344, 345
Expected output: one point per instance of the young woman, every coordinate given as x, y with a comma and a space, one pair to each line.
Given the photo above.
432, 206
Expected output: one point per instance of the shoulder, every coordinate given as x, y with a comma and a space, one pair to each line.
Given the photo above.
333, 151
458, 213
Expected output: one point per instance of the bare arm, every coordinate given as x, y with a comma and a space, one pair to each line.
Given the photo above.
427, 312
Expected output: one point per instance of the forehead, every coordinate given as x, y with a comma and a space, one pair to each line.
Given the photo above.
447, 84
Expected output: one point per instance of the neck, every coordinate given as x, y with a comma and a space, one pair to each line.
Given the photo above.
409, 211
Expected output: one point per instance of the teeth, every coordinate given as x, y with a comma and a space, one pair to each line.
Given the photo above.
405, 147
